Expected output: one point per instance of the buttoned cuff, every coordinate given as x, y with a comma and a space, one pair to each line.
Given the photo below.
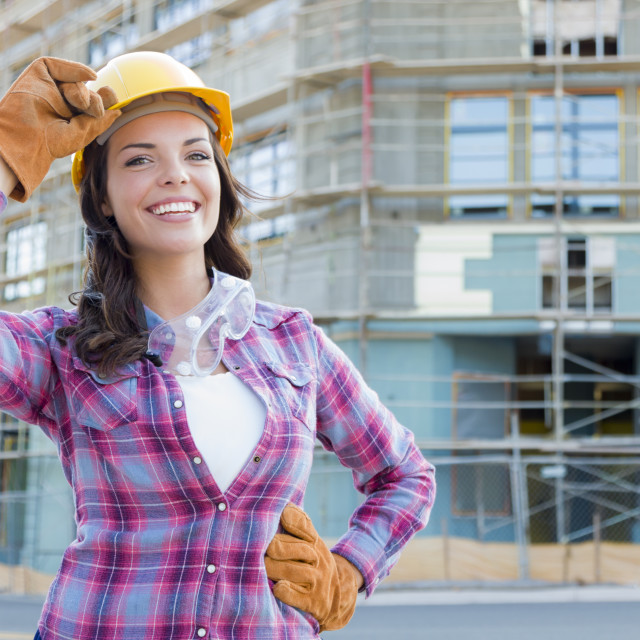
367, 556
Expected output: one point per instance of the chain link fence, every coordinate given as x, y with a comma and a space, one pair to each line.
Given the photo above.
499, 517
511, 518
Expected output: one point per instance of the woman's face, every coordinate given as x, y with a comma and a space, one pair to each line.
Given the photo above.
163, 186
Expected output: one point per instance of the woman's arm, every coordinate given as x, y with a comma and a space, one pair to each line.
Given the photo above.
27, 371
388, 467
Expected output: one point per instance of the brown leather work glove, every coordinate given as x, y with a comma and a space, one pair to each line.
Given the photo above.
307, 575
50, 113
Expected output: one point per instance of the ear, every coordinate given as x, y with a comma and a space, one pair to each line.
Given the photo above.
106, 209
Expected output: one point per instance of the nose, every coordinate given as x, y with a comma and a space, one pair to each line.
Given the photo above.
173, 172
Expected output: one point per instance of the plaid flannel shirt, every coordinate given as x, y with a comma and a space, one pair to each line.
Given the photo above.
160, 552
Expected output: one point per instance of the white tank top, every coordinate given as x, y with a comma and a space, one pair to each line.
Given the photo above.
226, 419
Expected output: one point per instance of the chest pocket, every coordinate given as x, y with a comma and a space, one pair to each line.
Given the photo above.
104, 403
296, 383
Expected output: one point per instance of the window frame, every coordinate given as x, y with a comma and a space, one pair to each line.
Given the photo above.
589, 272
576, 91
509, 128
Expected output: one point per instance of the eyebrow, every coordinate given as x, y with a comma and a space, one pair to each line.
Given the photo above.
149, 145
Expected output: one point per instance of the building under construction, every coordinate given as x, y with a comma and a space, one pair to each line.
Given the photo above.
454, 193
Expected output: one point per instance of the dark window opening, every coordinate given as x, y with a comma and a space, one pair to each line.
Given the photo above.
586, 48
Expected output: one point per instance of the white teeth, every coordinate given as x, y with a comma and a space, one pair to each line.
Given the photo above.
174, 207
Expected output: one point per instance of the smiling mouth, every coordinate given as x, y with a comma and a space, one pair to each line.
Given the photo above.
174, 209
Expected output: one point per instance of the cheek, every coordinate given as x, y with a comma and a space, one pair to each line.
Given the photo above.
124, 192
214, 188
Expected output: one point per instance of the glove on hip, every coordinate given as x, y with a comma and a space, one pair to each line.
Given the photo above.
50, 113
307, 575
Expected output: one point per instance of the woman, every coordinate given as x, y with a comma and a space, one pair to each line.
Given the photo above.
184, 412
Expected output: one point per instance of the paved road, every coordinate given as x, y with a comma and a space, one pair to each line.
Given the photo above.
529, 621
18, 617
607, 620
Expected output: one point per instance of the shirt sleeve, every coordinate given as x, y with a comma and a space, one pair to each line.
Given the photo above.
388, 468
25, 365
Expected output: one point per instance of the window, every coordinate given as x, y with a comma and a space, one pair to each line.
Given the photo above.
26, 253
478, 153
112, 42
586, 274
195, 51
255, 25
590, 150
266, 167
170, 13
585, 27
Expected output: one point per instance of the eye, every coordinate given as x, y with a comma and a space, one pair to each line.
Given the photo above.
199, 155
136, 161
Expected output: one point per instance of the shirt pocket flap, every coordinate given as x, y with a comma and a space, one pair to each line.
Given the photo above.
297, 373
104, 402
295, 389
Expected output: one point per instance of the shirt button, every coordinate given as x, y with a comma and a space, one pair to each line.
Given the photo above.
197, 460
293, 378
177, 404
222, 506
202, 632
211, 568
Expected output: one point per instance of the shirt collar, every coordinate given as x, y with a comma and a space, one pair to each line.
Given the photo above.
152, 318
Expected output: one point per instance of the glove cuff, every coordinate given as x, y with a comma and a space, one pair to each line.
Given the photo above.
345, 595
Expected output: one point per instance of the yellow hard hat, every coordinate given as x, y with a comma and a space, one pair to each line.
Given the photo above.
143, 73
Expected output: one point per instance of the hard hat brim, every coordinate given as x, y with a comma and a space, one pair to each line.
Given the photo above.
217, 100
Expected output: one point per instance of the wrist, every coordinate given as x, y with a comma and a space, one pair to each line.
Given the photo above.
359, 577
351, 569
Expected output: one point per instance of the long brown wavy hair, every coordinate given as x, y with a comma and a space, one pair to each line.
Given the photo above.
108, 334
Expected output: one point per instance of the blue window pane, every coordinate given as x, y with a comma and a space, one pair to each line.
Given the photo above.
543, 110
603, 108
478, 152
482, 111
484, 170
589, 150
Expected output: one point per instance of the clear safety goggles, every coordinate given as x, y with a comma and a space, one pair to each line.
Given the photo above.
192, 344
